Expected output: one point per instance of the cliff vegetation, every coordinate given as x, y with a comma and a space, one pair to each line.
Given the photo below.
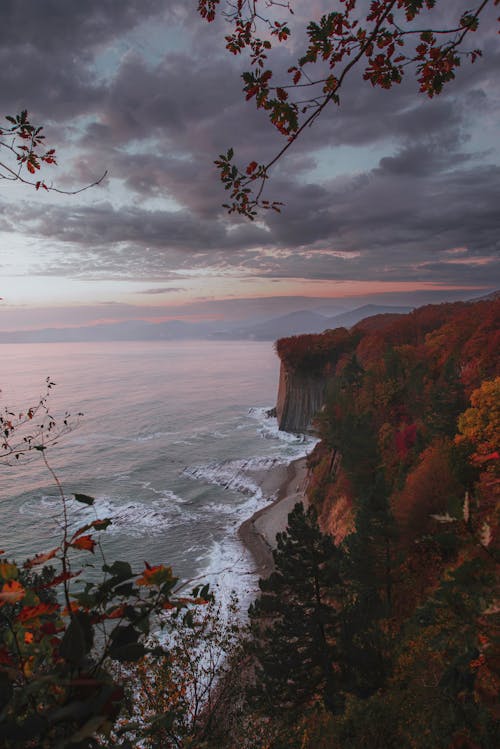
406, 482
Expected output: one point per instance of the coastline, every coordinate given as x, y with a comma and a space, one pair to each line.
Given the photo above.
258, 533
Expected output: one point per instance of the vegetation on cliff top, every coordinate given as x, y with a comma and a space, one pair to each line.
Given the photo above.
414, 412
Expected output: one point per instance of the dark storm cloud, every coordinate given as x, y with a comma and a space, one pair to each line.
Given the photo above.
381, 225
47, 50
97, 227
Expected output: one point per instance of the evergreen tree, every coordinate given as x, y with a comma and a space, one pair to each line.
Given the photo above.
295, 620
367, 573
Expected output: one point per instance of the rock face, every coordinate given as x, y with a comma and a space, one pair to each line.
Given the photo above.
300, 397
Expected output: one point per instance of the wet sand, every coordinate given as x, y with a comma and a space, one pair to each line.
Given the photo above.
258, 533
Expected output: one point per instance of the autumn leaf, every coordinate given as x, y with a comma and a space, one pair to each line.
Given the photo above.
12, 592
73, 608
252, 167
116, 613
61, 578
8, 571
33, 612
98, 525
40, 558
28, 667
83, 542
155, 575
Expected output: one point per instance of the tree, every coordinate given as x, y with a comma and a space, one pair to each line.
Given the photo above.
23, 149
481, 422
367, 570
384, 39
295, 620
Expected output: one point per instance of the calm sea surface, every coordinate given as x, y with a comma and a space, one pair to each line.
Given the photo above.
168, 435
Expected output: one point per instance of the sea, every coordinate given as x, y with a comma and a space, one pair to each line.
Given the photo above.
170, 436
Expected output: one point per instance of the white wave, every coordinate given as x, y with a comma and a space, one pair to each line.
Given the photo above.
234, 474
268, 428
230, 568
151, 436
129, 518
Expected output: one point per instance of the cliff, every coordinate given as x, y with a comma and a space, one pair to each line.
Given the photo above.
300, 397
307, 361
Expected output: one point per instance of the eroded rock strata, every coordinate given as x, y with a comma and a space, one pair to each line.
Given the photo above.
300, 397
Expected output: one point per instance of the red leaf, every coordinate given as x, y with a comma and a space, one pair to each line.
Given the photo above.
61, 578
252, 167
84, 542
40, 558
11, 592
117, 613
32, 612
155, 575
99, 525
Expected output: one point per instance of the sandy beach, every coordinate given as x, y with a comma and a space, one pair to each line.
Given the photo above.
258, 533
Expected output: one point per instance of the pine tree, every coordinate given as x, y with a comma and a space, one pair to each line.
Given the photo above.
367, 568
295, 620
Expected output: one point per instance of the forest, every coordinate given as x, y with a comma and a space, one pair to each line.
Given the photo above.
406, 480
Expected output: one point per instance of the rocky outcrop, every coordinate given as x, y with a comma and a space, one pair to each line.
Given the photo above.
307, 362
300, 397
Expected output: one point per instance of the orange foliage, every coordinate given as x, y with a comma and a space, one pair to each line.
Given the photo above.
428, 489
11, 592
84, 542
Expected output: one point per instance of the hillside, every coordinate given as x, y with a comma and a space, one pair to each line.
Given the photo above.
405, 481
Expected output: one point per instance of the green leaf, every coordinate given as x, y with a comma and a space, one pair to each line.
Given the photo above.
120, 570
78, 639
125, 645
84, 499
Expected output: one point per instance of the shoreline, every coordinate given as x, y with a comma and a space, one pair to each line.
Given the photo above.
258, 533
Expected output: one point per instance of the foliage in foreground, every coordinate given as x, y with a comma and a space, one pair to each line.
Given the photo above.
23, 153
384, 40
61, 634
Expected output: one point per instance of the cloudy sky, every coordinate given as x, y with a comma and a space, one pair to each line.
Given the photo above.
391, 197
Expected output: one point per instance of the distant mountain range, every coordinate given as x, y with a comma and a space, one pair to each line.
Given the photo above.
294, 323
303, 321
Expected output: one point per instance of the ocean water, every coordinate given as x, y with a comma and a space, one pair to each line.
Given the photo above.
169, 433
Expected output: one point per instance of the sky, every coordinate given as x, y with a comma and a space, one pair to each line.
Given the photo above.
391, 198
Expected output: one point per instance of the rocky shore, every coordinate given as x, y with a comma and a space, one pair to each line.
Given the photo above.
258, 533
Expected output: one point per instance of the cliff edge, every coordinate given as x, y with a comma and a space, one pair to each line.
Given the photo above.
300, 397
307, 361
